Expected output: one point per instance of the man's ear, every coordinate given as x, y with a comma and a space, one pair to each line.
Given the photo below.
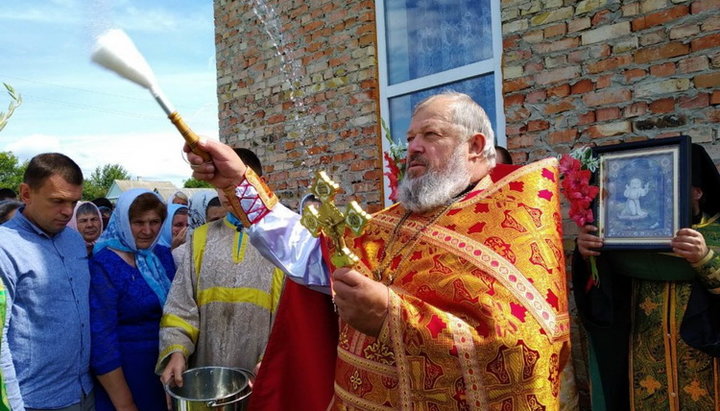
24, 193
477, 145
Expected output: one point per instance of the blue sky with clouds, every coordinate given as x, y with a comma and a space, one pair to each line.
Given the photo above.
78, 108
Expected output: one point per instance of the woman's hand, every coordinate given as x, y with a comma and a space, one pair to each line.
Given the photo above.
588, 243
179, 238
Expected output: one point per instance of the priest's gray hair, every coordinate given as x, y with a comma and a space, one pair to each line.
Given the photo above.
470, 117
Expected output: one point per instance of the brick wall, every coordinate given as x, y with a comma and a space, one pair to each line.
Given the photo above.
311, 102
605, 71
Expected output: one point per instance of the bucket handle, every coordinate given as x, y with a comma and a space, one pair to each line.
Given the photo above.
221, 403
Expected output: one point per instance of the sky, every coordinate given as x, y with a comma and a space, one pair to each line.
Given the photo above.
73, 106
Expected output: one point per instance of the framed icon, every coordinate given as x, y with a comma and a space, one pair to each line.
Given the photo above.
644, 192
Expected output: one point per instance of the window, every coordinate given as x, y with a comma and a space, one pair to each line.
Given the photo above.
427, 46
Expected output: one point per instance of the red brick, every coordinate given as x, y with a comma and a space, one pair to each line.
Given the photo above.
533, 67
601, 17
513, 99
556, 75
608, 113
556, 30
715, 99
586, 118
536, 96
714, 116
510, 42
537, 125
701, 100
515, 129
633, 74
563, 136
662, 52
517, 115
524, 140
557, 45
609, 64
711, 41
665, 105
514, 85
559, 91
604, 81
663, 70
610, 96
709, 80
700, 6
635, 109
692, 64
660, 17
582, 86
277, 118
565, 105
311, 26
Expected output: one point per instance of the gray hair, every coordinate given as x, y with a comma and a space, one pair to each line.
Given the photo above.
469, 116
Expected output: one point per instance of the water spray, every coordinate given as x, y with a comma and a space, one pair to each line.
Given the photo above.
115, 51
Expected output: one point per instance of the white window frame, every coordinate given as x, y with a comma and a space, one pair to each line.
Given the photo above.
389, 91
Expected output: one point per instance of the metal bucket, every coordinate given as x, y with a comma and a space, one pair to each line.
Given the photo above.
212, 389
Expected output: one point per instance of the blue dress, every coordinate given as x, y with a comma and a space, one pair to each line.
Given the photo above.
125, 323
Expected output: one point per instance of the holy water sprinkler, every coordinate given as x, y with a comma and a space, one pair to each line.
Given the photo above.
115, 51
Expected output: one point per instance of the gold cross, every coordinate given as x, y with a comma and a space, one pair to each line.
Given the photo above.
327, 219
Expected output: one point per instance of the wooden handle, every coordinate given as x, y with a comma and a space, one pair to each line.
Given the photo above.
190, 137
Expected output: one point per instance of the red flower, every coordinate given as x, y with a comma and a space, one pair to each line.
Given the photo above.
393, 175
577, 189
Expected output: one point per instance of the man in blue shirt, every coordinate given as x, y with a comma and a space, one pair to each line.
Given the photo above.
46, 337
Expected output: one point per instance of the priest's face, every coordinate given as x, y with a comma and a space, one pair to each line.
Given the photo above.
437, 160
432, 138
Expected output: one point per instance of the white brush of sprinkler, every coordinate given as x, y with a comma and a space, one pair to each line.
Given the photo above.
115, 51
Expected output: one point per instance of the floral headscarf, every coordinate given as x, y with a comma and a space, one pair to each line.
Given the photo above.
198, 207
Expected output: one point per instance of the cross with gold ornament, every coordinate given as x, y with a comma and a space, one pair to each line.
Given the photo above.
327, 219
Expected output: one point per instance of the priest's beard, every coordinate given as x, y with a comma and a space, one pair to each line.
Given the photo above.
436, 187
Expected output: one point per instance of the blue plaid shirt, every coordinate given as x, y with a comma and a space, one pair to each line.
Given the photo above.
46, 338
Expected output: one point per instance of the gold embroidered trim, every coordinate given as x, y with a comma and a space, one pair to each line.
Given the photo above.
468, 361
366, 364
356, 401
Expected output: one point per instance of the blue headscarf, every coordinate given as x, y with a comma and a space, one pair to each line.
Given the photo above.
118, 236
166, 230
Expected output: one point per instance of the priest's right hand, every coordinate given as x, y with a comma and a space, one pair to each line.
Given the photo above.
587, 243
224, 170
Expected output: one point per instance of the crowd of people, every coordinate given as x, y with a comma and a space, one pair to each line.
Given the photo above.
458, 299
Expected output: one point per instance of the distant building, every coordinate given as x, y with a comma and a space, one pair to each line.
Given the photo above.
164, 188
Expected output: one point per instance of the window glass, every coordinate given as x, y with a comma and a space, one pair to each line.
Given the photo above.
425, 37
480, 88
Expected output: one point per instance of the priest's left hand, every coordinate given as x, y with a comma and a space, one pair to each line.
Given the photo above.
361, 302
690, 245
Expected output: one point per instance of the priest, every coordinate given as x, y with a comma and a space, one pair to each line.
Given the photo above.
458, 300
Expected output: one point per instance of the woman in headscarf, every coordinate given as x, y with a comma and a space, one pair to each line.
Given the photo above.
88, 221
130, 280
178, 197
201, 203
174, 229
